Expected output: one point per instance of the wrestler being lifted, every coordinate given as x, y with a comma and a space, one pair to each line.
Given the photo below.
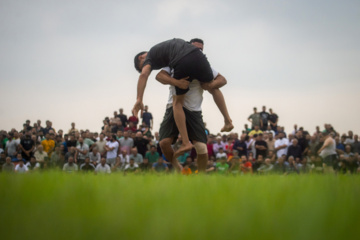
188, 63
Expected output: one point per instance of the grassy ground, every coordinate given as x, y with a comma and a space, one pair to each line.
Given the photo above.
76, 206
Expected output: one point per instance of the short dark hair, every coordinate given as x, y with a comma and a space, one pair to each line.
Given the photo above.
137, 61
197, 40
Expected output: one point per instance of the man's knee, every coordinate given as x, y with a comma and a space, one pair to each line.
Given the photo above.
200, 148
165, 143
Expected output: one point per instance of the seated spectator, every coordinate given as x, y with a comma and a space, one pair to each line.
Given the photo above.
272, 156
160, 166
8, 166
260, 146
87, 166
2, 159
235, 163
56, 158
152, 155
71, 153
317, 165
33, 165
131, 166
257, 163
18, 159
222, 167
210, 167
82, 151
145, 166
281, 166
220, 154
70, 166
246, 165
138, 158
95, 156
11, 146
186, 170
124, 158
266, 167
21, 167
294, 149
303, 166
103, 167
217, 145
40, 155
292, 166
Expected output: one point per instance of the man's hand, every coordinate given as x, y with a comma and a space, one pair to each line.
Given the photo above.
206, 86
183, 83
138, 106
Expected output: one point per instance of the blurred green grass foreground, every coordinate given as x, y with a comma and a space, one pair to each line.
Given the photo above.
54, 205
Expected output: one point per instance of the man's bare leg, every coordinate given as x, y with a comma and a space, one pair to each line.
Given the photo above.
165, 145
220, 102
180, 120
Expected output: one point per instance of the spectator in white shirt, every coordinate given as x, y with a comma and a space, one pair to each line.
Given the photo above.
112, 149
21, 168
102, 167
281, 145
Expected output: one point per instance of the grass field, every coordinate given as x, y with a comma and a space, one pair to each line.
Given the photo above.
76, 206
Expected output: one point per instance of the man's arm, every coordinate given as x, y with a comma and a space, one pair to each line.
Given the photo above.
139, 106
165, 78
217, 83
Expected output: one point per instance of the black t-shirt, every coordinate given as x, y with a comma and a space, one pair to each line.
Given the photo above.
168, 53
71, 143
141, 145
294, 151
261, 152
273, 117
264, 117
123, 119
27, 143
302, 143
87, 168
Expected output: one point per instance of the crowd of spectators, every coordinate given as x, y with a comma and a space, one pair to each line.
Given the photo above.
125, 145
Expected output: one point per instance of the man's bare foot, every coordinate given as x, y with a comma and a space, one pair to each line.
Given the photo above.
183, 148
227, 127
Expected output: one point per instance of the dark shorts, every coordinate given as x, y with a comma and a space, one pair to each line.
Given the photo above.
194, 125
195, 66
330, 160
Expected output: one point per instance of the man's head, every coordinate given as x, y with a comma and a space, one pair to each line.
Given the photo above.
103, 161
134, 151
40, 148
197, 42
259, 137
223, 160
87, 160
153, 148
264, 108
255, 109
139, 60
81, 141
8, 160
132, 161
70, 160
294, 142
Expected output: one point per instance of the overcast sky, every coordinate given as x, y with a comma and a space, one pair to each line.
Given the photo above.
73, 60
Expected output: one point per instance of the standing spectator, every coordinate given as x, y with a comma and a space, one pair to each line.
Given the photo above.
123, 117
138, 158
264, 119
72, 142
134, 120
209, 146
72, 130
70, 166
141, 143
260, 146
328, 153
281, 145
255, 119
111, 147
27, 146
8, 166
147, 118
273, 120
217, 145
48, 127
356, 144
126, 142
82, 151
